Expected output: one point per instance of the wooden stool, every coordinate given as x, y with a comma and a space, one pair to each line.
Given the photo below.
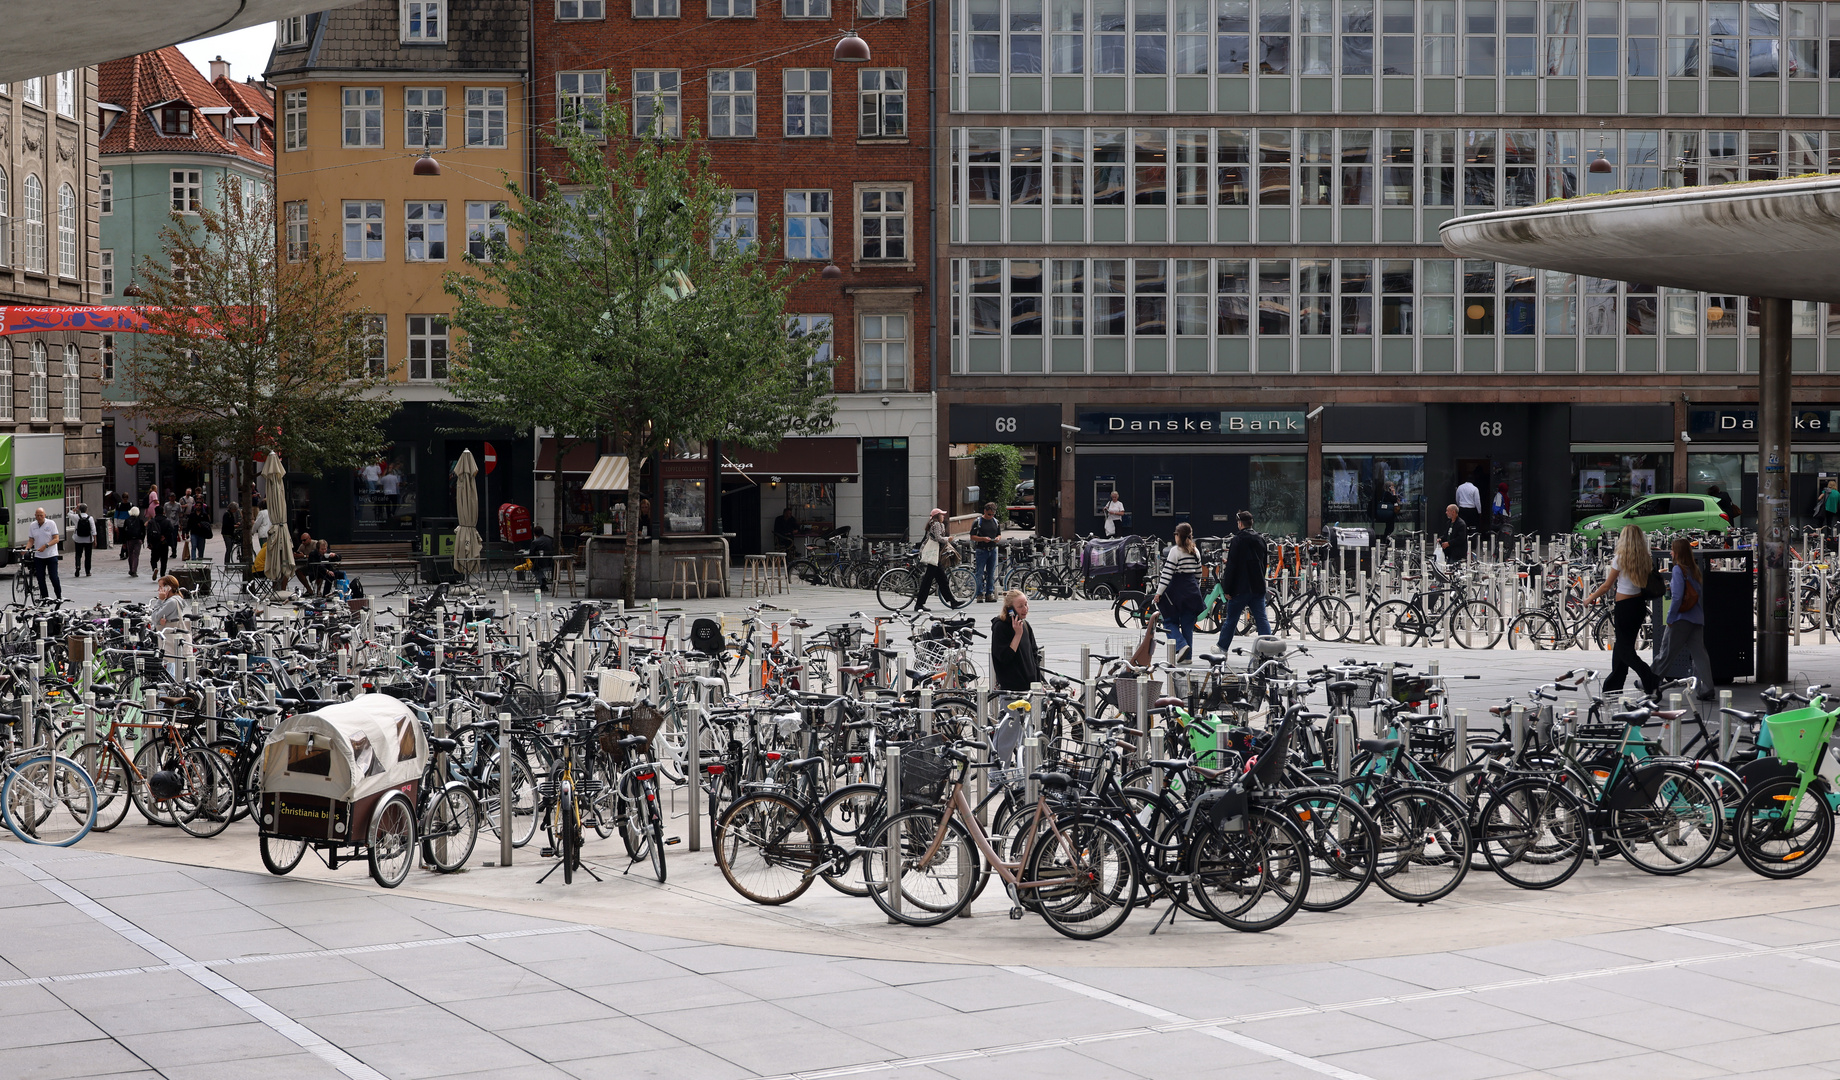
778, 580
715, 574
753, 573
684, 577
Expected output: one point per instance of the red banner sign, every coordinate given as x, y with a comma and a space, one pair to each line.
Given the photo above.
17, 319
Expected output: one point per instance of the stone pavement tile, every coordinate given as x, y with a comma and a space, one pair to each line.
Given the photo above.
1438, 971
581, 972
589, 1039
1547, 957
667, 995
1822, 1071
53, 918
299, 1065
848, 1009
377, 928
185, 923
1548, 1046
991, 990
368, 1027
214, 946
1332, 986
414, 1057
538, 1071
1172, 1054
25, 894
95, 1057
453, 920
1317, 1035
325, 999
490, 978
802, 980
144, 883
1060, 1019
1772, 972
1415, 1061
37, 1029
1558, 1002
1768, 930
1828, 917
343, 907
265, 891
1189, 993
1052, 1063
15, 1000
136, 1018
1656, 1027
137, 906
300, 971
711, 959
1445, 1017
524, 1010
793, 1051
926, 1035
164, 990
907, 973
731, 1023
583, 946
1769, 1010
1638, 1067
428, 959
684, 1063
1763, 1052
233, 1042
1651, 945
642, 941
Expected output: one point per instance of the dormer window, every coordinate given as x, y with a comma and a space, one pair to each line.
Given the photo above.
424, 22
291, 31
218, 118
175, 120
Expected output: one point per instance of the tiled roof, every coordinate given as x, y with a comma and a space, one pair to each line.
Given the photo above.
247, 98
482, 35
137, 83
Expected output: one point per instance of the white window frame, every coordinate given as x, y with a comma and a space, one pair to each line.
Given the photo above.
41, 383
363, 219
290, 31
865, 215
67, 93
814, 105
183, 116
32, 91
105, 192
818, 240
801, 325
580, 10
361, 113
296, 230
658, 96
6, 220
882, 9
424, 22
428, 334
581, 100
871, 351
424, 230
424, 114
484, 221
67, 231
294, 120
485, 117
732, 106
187, 190
731, 9
105, 357
742, 226
374, 343
805, 9
872, 103
105, 271
34, 230
73, 385
7, 378
656, 9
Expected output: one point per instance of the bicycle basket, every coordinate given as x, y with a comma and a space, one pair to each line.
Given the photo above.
925, 770
638, 720
1798, 736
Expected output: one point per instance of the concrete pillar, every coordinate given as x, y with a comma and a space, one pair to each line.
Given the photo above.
1773, 441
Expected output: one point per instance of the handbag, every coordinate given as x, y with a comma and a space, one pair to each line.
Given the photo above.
1654, 589
929, 553
1145, 648
948, 556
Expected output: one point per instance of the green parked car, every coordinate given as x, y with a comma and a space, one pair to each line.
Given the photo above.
1653, 512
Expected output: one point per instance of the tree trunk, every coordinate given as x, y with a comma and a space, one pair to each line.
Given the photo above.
629, 567
246, 499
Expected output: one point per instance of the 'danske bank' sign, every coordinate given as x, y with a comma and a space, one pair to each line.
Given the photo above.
1191, 425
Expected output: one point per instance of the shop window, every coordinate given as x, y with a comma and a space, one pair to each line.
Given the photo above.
1608, 480
1518, 309
815, 505
384, 492
1352, 483
1277, 484
685, 504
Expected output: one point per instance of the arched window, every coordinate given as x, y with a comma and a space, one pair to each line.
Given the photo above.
6, 229
67, 231
41, 384
6, 378
34, 234
73, 385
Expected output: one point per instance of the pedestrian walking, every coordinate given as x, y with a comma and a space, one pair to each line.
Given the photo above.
1386, 509
83, 543
1726, 506
198, 527
233, 531
1686, 618
132, 532
937, 556
1114, 514
169, 609
1469, 505
1501, 511
1454, 543
1629, 574
161, 536
43, 536
1827, 506
984, 534
259, 530
123, 504
1178, 590
1243, 580
1014, 658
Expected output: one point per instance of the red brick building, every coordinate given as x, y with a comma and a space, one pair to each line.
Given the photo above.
834, 157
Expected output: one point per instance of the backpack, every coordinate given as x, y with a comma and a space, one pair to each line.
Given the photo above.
84, 529
357, 588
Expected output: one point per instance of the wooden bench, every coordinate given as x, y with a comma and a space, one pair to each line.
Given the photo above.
398, 559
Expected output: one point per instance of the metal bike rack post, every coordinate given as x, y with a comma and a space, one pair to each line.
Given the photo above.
440, 704
1795, 597
798, 657
210, 711
89, 716
1459, 748
899, 676
1143, 706
894, 852
1725, 734
1517, 728
1344, 747
1031, 764
504, 789
1157, 779
625, 651
1088, 691
1822, 577
505, 602
581, 664
1670, 734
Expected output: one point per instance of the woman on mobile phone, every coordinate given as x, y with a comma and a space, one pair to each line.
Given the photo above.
1014, 659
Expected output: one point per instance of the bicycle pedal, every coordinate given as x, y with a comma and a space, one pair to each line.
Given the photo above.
1015, 914
672, 841
547, 853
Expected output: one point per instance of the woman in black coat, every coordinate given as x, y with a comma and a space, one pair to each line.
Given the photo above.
129, 535
162, 534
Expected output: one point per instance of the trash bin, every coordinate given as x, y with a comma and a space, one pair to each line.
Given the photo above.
438, 535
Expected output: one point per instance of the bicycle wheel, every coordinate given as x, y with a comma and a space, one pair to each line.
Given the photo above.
48, 801
846, 813
1779, 836
1424, 845
148, 760
963, 580
568, 846
599, 808
1252, 878
894, 590
523, 800
1532, 833
1097, 867
392, 840
1536, 630
1342, 849
1476, 624
1133, 610
451, 829
1666, 819
805, 570
767, 847
209, 796
933, 888
655, 815
1731, 792
1396, 622
281, 855
108, 769
1329, 618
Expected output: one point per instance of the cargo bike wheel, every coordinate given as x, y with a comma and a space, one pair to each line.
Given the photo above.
392, 840
281, 854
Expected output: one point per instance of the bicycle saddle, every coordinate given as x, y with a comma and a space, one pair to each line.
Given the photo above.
1343, 686
1379, 746
1214, 659
1170, 764
1166, 702
1741, 715
633, 741
442, 746
1633, 716
1058, 781
1492, 747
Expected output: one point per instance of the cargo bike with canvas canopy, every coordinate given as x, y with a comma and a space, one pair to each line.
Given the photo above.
355, 781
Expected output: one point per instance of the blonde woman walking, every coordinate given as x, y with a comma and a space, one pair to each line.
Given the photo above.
1629, 571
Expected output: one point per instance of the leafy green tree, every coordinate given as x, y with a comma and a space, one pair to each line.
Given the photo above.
999, 469
251, 350
628, 311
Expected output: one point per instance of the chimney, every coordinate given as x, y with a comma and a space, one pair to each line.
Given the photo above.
220, 69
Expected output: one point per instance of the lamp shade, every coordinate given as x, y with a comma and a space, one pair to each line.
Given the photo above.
1602, 165
831, 272
426, 165
851, 50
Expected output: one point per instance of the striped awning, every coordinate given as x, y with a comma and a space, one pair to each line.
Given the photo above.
610, 474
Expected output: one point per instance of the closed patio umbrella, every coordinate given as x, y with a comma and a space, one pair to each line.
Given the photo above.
466, 508
279, 562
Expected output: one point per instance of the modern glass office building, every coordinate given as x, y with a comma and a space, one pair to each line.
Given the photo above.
1174, 207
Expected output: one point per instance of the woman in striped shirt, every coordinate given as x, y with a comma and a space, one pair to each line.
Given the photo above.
1178, 589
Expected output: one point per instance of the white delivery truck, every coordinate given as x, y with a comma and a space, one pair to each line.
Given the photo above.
32, 472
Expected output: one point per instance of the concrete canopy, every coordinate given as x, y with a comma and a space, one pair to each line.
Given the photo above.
47, 36
1778, 238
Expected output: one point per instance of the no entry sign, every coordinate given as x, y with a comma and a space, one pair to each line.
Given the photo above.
491, 457
132, 455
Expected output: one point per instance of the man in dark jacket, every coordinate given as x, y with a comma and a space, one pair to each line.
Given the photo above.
1244, 581
1455, 540
162, 536
130, 534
